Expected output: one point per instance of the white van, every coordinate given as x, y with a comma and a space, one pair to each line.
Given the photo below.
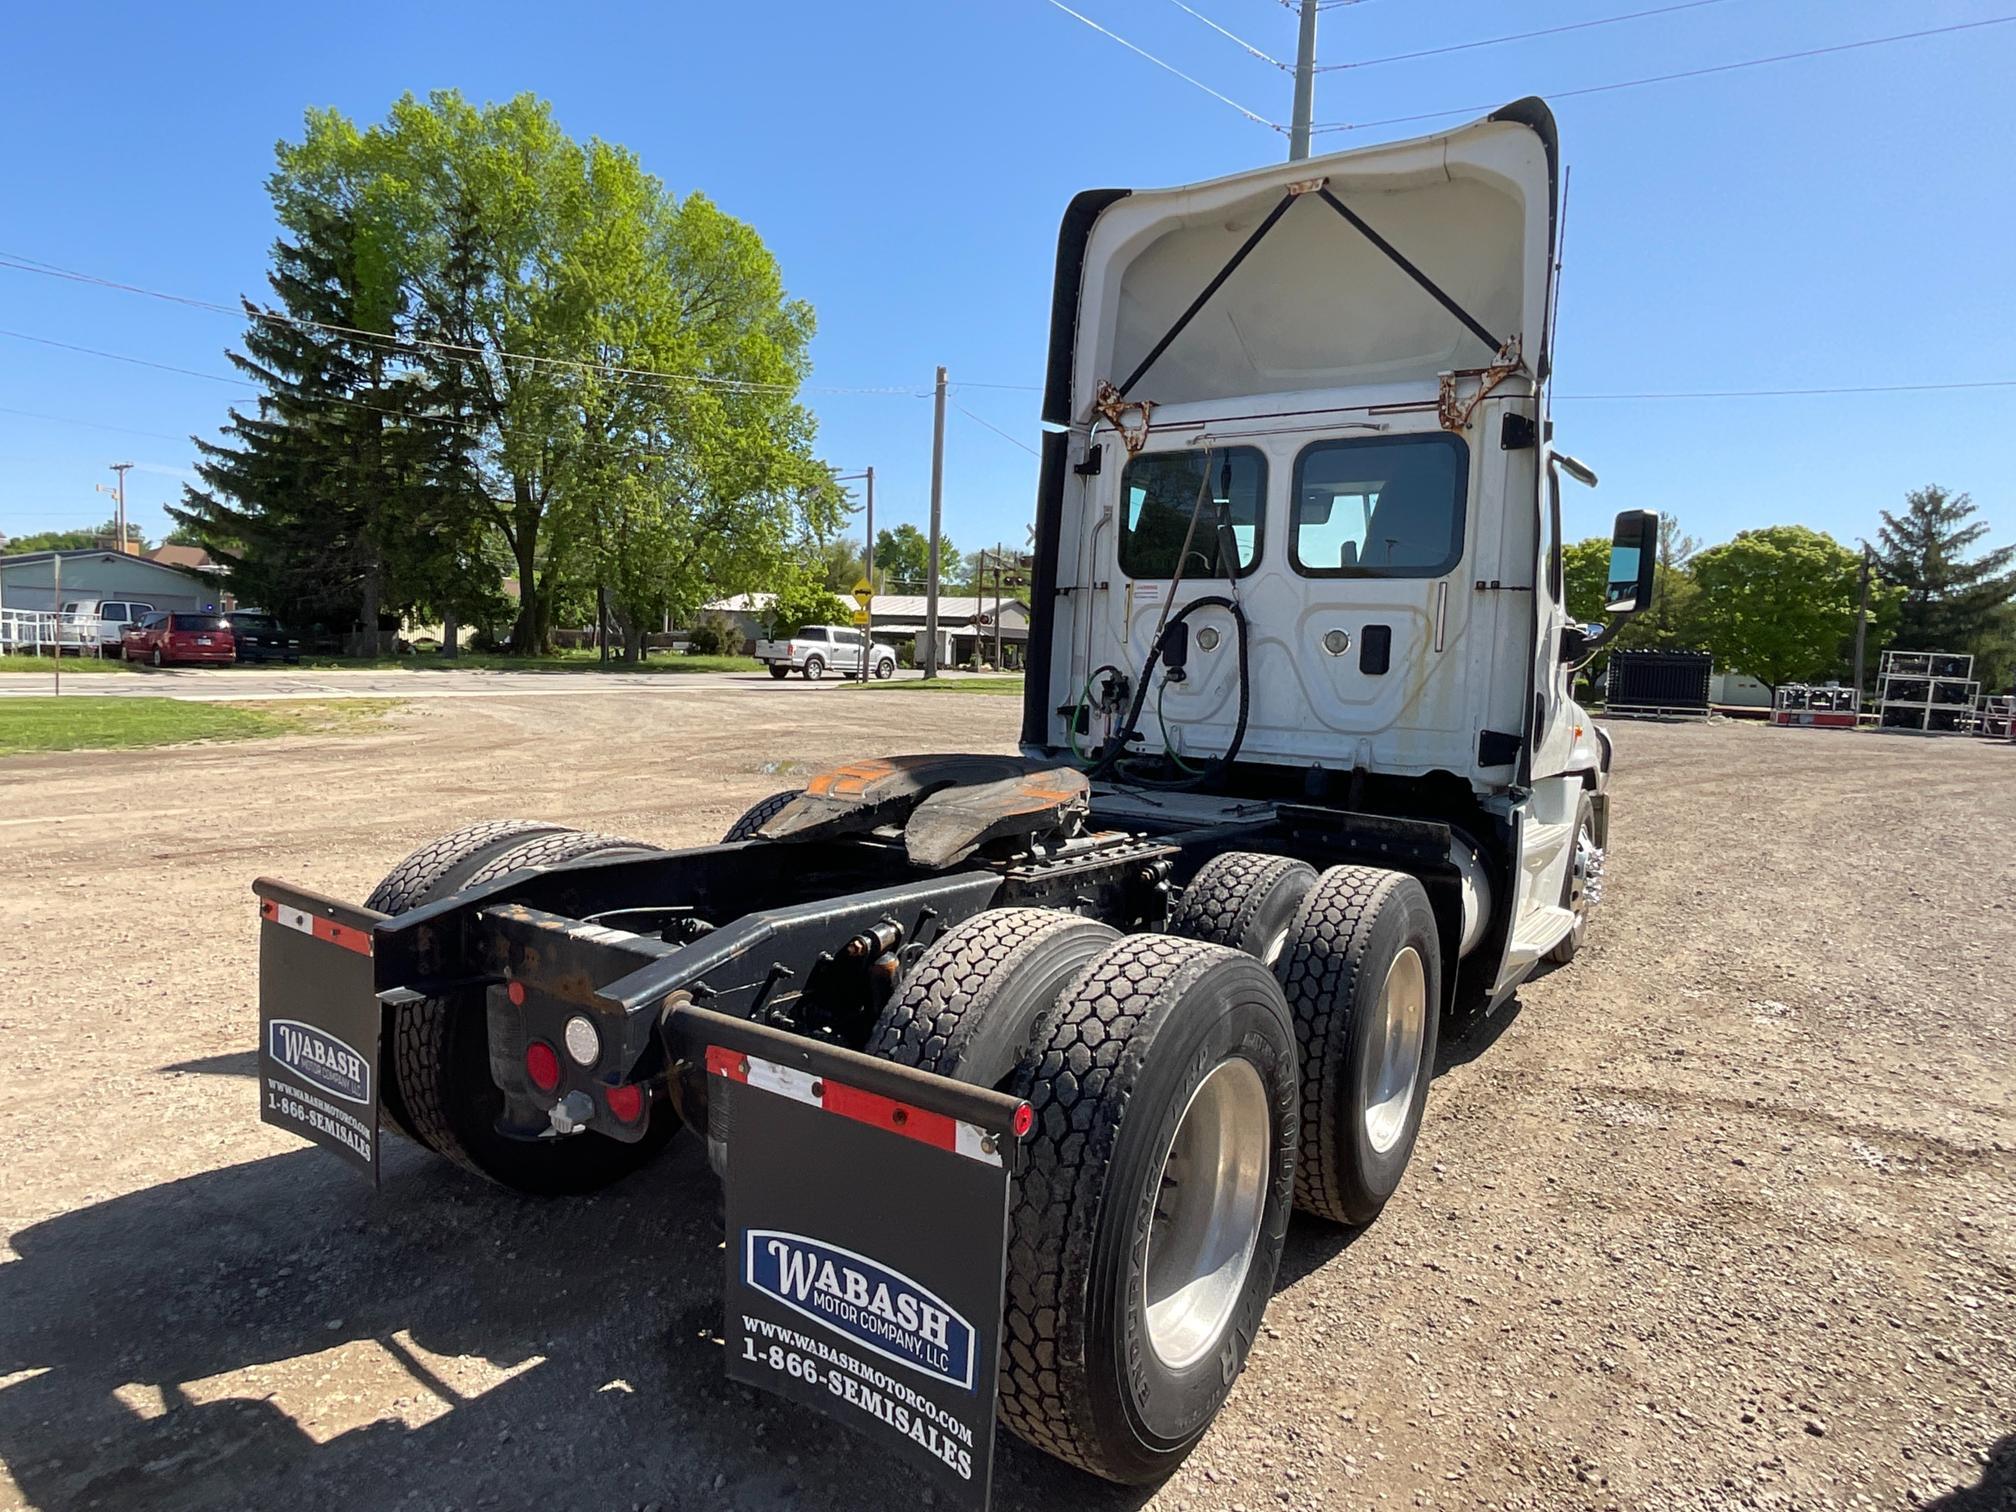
101, 620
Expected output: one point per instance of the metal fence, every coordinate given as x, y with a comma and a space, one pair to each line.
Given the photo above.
43, 632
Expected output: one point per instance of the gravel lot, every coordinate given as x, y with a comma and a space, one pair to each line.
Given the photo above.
1722, 1215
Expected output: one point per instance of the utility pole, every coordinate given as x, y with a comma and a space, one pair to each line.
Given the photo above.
120, 468
1861, 631
1305, 84
937, 510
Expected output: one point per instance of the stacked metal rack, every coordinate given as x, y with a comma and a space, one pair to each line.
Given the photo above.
1995, 716
1827, 707
1926, 691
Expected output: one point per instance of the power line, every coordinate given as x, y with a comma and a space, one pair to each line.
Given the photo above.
1690, 73
1012, 440
647, 376
1253, 116
1264, 57
1545, 31
124, 430
1782, 393
380, 409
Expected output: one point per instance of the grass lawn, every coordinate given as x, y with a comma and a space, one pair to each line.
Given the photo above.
90, 666
995, 685
83, 723
559, 661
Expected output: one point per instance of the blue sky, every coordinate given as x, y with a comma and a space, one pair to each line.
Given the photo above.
1839, 221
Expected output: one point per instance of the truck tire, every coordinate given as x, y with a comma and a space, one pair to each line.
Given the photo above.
815, 668
886, 668
437, 1050
1363, 978
1584, 866
758, 815
1165, 1096
1245, 900
778, 671
975, 1001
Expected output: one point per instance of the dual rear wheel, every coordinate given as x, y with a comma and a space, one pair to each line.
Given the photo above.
1148, 1222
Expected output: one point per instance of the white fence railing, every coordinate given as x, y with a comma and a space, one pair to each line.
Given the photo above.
43, 632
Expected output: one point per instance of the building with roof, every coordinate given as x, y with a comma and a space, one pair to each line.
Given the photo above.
28, 581
965, 622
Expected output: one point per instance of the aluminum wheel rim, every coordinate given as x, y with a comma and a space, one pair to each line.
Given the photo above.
1210, 1195
1578, 874
1395, 1056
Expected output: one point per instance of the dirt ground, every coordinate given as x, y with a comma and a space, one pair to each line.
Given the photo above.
1721, 1215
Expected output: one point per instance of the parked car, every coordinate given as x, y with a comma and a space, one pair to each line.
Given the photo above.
262, 638
179, 637
818, 649
103, 619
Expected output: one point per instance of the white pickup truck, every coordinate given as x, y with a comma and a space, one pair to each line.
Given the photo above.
818, 649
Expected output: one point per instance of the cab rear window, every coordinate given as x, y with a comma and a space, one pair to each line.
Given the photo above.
1387, 506
1161, 493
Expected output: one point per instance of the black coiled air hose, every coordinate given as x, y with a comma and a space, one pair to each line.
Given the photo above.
1117, 747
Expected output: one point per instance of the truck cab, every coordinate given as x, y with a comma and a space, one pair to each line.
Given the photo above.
1298, 425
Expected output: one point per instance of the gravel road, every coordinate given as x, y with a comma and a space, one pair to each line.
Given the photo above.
1722, 1215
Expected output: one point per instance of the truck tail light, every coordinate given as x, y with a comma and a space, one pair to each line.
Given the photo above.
542, 1066
626, 1104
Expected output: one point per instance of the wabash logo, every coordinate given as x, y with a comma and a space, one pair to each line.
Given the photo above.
319, 1057
861, 1300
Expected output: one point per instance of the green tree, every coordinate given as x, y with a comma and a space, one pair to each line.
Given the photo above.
527, 298
296, 497
52, 540
804, 599
903, 559
1951, 602
1778, 603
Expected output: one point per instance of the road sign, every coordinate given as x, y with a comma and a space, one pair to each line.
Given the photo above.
861, 616
864, 594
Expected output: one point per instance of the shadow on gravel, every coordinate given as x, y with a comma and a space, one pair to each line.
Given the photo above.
126, 1327
1994, 1492
274, 1333
236, 1063
1464, 1040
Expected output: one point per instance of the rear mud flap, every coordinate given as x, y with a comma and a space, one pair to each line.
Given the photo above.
867, 1241
318, 1022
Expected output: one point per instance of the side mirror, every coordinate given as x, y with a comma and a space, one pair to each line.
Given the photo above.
1634, 553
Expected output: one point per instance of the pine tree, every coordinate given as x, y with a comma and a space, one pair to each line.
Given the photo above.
293, 501
1950, 603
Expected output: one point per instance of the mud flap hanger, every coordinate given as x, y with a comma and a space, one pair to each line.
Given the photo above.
1112, 402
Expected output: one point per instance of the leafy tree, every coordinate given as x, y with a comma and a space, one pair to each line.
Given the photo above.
1778, 603
803, 599
52, 540
524, 298
841, 566
1950, 602
903, 558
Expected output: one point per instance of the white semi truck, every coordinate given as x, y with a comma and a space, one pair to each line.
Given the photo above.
1015, 1066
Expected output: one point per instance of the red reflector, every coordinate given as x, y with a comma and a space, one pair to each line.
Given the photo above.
626, 1104
516, 992
542, 1066
1025, 1120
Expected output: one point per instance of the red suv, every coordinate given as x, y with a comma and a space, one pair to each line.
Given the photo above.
180, 637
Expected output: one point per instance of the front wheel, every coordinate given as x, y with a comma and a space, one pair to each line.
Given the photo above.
885, 668
1148, 1224
815, 668
1582, 886
154, 658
